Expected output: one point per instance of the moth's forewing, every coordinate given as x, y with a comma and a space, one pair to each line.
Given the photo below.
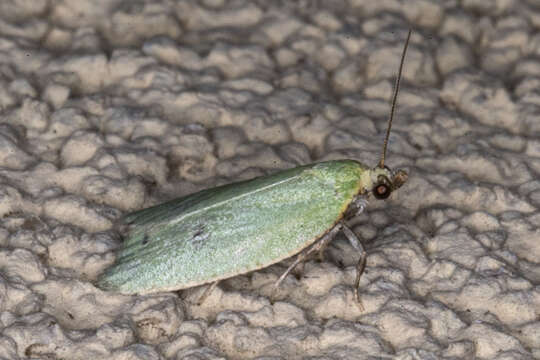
232, 229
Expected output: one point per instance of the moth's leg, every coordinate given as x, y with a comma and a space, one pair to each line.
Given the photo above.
307, 252
207, 292
361, 265
299, 270
320, 247
325, 241
360, 203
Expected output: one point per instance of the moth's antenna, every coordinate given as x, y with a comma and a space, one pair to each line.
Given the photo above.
394, 100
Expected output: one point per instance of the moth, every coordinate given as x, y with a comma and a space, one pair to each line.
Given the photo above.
241, 227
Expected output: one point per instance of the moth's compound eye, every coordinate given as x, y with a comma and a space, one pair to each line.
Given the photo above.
382, 191
383, 188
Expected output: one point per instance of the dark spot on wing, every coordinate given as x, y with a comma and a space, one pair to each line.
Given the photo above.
199, 231
146, 239
200, 235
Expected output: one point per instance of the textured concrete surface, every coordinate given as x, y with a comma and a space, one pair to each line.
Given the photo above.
110, 106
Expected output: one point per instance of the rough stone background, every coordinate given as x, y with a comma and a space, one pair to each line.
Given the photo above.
108, 106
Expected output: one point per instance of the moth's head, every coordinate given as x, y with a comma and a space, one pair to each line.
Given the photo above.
385, 181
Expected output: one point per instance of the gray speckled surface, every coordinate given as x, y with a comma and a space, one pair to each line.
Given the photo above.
110, 106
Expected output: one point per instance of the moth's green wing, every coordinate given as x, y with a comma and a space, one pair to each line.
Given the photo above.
233, 229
